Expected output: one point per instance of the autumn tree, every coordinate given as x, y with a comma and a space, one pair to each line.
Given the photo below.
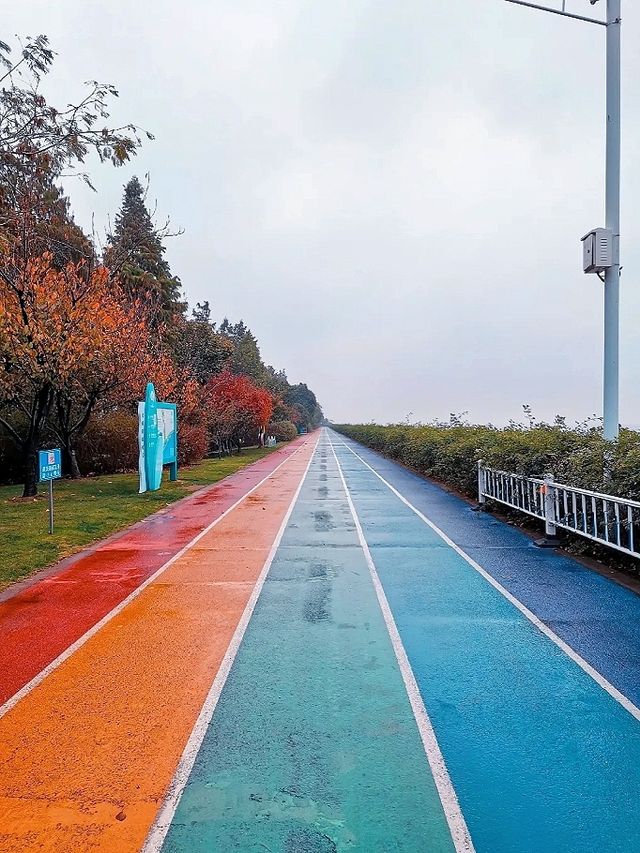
52, 323
236, 407
176, 384
115, 374
48, 275
135, 252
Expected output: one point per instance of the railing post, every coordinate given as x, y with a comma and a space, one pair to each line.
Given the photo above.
481, 484
549, 506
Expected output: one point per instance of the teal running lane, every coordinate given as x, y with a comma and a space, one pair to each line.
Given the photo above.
542, 759
313, 746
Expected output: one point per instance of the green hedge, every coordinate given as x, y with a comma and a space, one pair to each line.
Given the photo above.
109, 445
282, 430
449, 452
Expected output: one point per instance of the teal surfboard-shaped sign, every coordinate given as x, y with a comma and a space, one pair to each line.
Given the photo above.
157, 435
152, 440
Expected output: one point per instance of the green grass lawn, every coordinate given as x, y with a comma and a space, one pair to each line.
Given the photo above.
90, 509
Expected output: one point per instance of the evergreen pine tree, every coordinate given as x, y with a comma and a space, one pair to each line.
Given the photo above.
136, 251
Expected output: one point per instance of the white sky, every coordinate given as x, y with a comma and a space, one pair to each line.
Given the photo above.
391, 193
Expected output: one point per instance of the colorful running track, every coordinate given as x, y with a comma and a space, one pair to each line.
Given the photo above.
322, 653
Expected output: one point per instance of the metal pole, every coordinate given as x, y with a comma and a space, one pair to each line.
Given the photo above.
481, 485
50, 506
549, 506
612, 204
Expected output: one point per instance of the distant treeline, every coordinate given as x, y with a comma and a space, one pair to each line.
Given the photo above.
84, 327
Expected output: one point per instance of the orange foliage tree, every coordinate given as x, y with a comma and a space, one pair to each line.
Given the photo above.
65, 342
176, 384
236, 407
125, 356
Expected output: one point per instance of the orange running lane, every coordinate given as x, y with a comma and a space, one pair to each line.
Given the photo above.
40, 618
87, 756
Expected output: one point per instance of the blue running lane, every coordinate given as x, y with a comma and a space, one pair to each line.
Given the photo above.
597, 617
543, 759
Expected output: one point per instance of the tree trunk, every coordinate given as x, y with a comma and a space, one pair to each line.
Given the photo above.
31, 445
71, 461
69, 432
30, 463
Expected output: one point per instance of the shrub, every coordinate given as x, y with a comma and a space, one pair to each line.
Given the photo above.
283, 430
193, 443
450, 452
109, 444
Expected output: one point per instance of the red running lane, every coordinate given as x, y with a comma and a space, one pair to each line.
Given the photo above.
42, 618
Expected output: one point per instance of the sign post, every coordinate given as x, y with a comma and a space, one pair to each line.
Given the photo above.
50, 507
50, 469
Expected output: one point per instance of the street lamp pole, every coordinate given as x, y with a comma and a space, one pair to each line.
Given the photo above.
611, 378
611, 381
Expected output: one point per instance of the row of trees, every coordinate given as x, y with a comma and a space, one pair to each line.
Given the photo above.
82, 329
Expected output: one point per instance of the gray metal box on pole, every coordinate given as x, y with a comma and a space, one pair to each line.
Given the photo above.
597, 250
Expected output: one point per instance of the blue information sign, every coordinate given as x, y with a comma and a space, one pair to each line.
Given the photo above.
49, 464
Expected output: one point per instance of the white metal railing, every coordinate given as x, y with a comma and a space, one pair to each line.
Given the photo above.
608, 520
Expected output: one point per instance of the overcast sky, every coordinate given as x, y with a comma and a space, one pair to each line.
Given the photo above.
391, 193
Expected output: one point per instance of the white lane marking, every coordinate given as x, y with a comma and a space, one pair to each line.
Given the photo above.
450, 805
66, 654
626, 703
160, 827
